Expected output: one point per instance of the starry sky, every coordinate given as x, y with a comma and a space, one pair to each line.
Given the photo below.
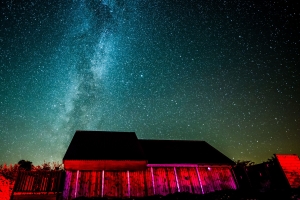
226, 72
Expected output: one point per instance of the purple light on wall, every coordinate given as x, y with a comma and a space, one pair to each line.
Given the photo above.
102, 188
176, 177
198, 175
76, 185
152, 180
128, 183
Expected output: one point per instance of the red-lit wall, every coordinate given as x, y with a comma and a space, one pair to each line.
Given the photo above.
152, 181
290, 165
6, 187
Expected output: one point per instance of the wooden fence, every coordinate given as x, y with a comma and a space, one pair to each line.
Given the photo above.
39, 182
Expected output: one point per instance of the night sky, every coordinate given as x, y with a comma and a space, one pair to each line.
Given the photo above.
226, 72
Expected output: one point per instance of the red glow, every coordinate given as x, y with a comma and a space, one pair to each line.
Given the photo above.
290, 165
104, 164
142, 183
6, 187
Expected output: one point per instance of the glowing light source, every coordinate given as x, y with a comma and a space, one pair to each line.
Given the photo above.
198, 175
152, 177
76, 183
102, 188
128, 183
176, 177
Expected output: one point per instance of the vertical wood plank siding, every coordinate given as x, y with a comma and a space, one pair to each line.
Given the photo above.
149, 182
137, 184
227, 179
205, 179
195, 181
161, 181
172, 180
115, 184
73, 183
290, 165
184, 179
67, 184
141, 183
216, 178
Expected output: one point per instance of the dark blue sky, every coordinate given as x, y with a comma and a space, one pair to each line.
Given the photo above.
226, 72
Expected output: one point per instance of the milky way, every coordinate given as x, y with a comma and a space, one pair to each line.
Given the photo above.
226, 72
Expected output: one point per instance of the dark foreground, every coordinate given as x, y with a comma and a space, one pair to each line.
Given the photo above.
224, 195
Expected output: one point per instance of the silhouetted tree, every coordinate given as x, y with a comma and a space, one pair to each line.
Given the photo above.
272, 160
46, 166
25, 165
243, 163
241, 172
9, 172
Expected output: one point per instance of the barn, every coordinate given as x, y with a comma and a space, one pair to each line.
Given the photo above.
118, 164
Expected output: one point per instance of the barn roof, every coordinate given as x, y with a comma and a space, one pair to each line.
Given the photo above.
182, 151
123, 150
104, 145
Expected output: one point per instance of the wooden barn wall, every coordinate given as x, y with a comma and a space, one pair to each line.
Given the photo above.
82, 183
137, 184
216, 178
188, 180
116, 184
149, 184
290, 165
152, 181
161, 182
